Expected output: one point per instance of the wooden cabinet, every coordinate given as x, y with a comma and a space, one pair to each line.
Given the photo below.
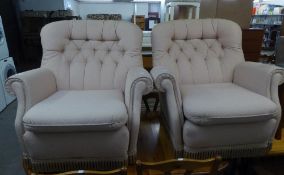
238, 11
147, 62
31, 44
252, 44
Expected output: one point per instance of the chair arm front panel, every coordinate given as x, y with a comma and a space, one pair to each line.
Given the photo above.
263, 79
166, 83
138, 83
30, 88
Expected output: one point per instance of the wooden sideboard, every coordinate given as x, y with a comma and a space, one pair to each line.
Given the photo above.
252, 44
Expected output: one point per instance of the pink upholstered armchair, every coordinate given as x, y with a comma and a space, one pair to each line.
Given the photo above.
81, 108
214, 102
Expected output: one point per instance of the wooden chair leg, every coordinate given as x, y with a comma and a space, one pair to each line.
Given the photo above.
157, 101
146, 104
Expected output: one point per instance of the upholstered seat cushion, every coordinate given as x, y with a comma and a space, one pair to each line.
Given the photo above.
225, 103
73, 111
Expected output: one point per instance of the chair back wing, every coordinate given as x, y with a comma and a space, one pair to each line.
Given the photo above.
90, 54
198, 51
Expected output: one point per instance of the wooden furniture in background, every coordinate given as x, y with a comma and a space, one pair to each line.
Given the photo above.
282, 28
238, 11
139, 20
189, 166
252, 44
9, 11
148, 62
31, 43
278, 135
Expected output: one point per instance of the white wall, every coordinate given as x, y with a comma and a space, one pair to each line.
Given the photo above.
41, 4
155, 7
142, 9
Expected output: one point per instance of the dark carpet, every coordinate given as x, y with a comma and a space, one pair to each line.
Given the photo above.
10, 153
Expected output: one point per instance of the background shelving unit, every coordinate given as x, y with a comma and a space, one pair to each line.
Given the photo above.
271, 24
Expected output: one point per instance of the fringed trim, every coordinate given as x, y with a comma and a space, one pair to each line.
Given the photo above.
229, 153
27, 163
132, 159
178, 154
49, 166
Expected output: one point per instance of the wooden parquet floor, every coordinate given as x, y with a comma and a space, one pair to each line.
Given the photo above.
153, 142
278, 146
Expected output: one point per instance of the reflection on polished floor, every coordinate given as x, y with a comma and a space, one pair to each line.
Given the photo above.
153, 142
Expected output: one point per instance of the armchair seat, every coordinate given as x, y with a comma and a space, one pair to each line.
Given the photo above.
72, 111
225, 103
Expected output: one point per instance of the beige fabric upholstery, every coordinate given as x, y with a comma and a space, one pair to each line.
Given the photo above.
89, 54
29, 89
221, 104
85, 98
225, 103
33, 85
170, 102
257, 77
60, 111
91, 145
138, 82
207, 50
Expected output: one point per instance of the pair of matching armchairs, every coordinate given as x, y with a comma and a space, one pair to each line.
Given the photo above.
81, 108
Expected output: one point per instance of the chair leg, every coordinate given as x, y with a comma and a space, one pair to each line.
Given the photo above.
146, 104
240, 166
232, 168
157, 101
246, 166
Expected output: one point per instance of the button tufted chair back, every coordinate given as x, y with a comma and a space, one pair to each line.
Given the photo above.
198, 51
90, 54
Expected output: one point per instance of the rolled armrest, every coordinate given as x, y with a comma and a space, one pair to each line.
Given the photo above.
166, 83
135, 77
36, 85
162, 77
263, 79
138, 83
